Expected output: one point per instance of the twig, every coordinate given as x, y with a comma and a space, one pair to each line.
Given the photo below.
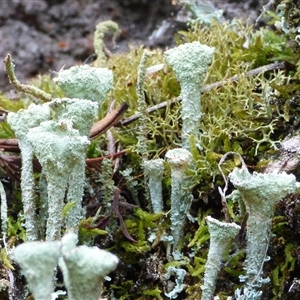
108, 121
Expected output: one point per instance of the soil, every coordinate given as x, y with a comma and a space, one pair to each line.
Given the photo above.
45, 35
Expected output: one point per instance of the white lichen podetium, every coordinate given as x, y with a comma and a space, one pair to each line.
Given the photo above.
190, 62
154, 170
181, 197
260, 193
61, 150
221, 237
21, 122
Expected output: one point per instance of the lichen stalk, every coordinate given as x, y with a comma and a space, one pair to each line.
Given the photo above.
181, 197
221, 237
3, 212
142, 106
27, 89
190, 62
154, 170
260, 193
21, 122
103, 28
61, 151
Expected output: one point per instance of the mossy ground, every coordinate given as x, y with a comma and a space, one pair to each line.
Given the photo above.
250, 116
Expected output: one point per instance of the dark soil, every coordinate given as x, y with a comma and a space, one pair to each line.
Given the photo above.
44, 35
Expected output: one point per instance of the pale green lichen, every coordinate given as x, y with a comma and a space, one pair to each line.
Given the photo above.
181, 197
202, 11
101, 29
142, 106
81, 112
21, 122
61, 152
84, 268
179, 273
154, 170
3, 211
260, 193
85, 82
37, 261
107, 185
190, 62
221, 237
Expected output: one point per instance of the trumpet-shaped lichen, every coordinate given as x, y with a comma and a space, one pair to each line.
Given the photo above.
260, 193
221, 237
154, 170
84, 268
37, 261
181, 198
190, 62
61, 151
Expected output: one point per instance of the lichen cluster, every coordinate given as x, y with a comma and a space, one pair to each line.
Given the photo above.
248, 112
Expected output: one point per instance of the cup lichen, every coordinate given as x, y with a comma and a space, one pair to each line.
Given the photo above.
260, 193
181, 198
221, 237
190, 62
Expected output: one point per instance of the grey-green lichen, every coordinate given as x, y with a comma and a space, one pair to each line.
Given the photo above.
222, 235
240, 120
84, 268
190, 62
37, 261
101, 29
3, 211
181, 197
21, 122
260, 193
85, 82
154, 170
61, 152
